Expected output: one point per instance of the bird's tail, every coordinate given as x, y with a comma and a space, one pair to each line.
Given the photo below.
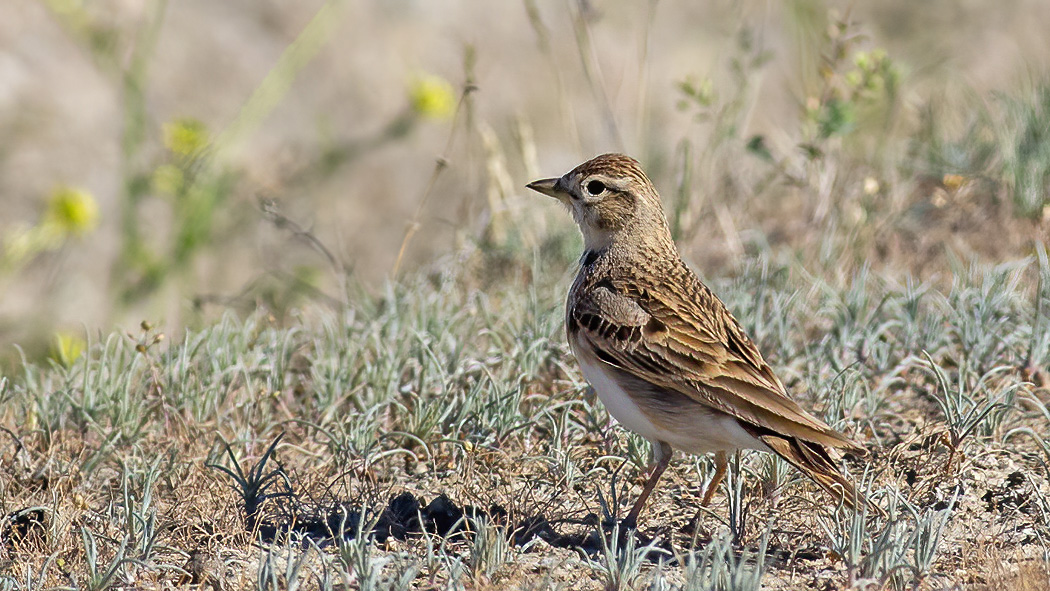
813, 460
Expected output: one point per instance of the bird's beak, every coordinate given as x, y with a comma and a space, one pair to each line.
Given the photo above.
549, 187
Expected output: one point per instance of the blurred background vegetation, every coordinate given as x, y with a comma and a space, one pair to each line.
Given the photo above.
171, 161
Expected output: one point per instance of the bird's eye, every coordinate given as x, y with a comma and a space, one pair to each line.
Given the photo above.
595, 187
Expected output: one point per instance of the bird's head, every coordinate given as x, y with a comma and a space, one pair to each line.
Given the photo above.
610, 198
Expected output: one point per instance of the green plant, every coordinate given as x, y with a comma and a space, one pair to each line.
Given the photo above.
253, 486
718, 566
968, 404
1026, 157
621, 561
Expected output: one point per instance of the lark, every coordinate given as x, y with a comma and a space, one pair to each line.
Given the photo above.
663, 353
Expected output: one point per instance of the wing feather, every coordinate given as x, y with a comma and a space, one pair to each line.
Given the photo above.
705, 356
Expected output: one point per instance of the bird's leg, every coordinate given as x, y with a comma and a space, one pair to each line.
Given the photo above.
721, 465
661, 457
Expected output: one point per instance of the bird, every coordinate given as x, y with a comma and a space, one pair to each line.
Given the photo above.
661, 350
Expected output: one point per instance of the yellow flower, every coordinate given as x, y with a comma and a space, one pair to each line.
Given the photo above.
432, 97
71, 211
186, 137
66, 347
953, 181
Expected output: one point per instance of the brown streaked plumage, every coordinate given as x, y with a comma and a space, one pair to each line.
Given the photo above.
663, 353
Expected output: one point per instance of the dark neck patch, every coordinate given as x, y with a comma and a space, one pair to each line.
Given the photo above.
589, 257
571, 325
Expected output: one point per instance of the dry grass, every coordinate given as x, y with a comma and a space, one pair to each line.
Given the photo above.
438, 389
1031, 575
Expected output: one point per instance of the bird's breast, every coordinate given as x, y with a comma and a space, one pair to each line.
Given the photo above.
617, 401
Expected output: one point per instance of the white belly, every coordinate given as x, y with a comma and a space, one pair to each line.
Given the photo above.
618, 403
696, 430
